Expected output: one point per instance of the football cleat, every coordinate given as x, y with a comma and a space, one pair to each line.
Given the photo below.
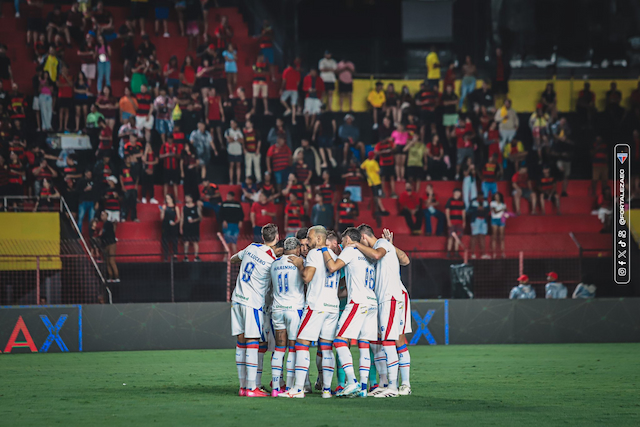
256, 392
362, 393
242, 392
292, 394
318, 385
275, 393
377, 391
388, 393
262, 389
338, 390
404, 390
373, 387
349, 391
326, 393
308, 389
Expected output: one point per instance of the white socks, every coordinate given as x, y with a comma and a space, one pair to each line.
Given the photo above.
277, 359
291, 367
380, 360
345, 359
328, 364
365, 363
251, 360
261, 352
302, 365
405, 364
240, 363
392, 363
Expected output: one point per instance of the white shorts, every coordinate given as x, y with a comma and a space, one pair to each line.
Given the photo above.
391, 319
312, 106
268, 333
89, 70
406, 328
35, 105
358, 322
288, 320
144, 122
113, 216
317, 324
246, 320
290, 94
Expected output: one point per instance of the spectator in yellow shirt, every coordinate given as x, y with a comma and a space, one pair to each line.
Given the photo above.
372, 171
377, 100
433, 68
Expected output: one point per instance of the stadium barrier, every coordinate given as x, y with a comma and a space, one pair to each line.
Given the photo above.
126, 327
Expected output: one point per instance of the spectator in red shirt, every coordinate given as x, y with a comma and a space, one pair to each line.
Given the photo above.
129, 182
547, 187
463, 132
262, 213
455, 213
279, 161
170, 163
313, 87
409, 203
522, 187
293, 215
436, 165
260, 86
214, 114
302, 192
289, 91
384, 150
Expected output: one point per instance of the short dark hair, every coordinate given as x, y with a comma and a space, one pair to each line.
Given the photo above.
333, 235
353, 234
302, 233
269, 232
366, 230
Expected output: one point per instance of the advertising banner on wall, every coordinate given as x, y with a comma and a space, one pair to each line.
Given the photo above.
40, 329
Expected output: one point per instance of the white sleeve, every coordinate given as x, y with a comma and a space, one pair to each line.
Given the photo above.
347, 255
384, 244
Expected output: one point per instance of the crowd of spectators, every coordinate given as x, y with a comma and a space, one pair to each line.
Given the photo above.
179, 124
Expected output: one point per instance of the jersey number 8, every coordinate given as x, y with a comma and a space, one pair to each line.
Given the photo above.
248, 269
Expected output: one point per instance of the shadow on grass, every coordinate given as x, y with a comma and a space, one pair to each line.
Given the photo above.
415, 402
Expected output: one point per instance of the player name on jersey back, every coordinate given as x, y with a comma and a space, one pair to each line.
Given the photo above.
360, 277
388, 282
254, 276
287, 284
322, 291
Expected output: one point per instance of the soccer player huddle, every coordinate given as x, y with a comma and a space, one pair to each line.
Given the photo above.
289, 297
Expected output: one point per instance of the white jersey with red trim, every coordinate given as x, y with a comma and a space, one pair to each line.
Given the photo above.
388, 283
254, 277
322, 291
288, 287
360, 275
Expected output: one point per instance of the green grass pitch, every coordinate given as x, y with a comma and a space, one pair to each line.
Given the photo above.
510, 385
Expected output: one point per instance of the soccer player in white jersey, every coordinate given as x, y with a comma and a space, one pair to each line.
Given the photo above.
404, 358
320, 316
286, 310
359, 321
390, 303
247, 300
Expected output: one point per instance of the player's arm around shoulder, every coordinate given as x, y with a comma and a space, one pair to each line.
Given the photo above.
332, 265
307, 271
237, 258
373, 254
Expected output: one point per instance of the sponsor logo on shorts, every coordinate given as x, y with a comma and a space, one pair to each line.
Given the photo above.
330, 305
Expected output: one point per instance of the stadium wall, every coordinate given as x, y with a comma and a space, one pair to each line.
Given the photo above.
125, 327
525, 94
